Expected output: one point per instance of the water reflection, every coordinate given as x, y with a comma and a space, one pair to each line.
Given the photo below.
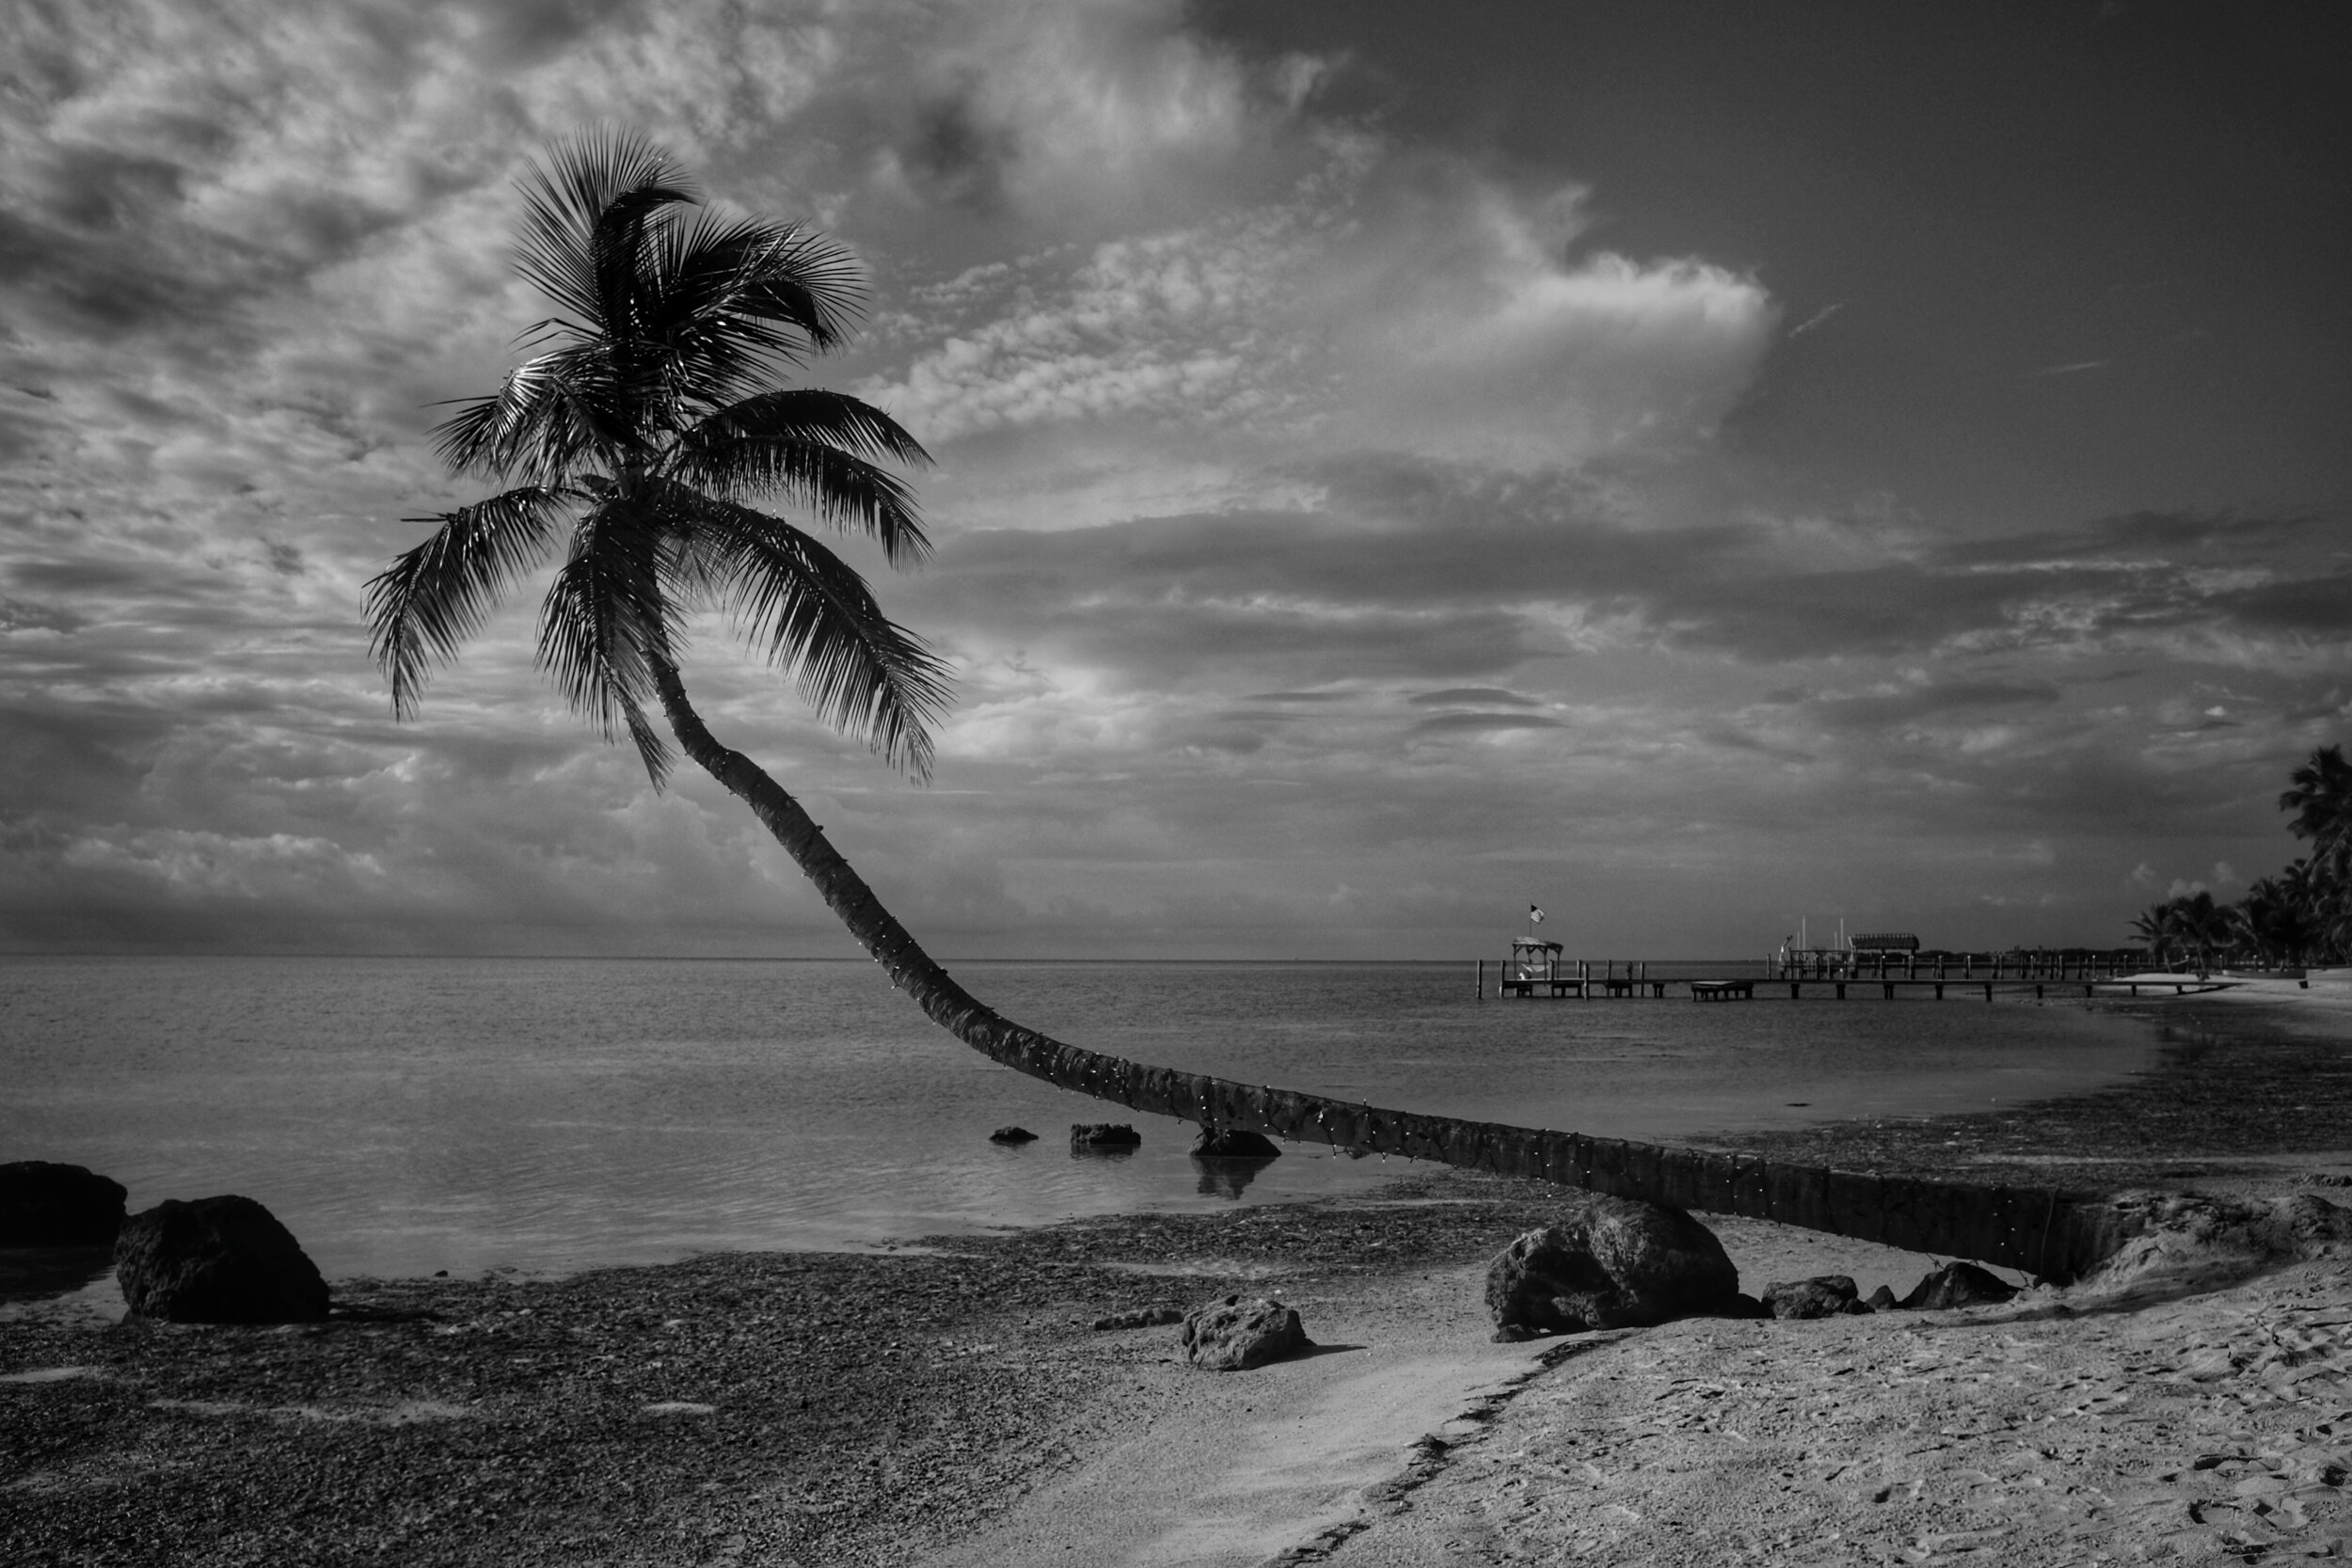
1225, 1175
39, 1272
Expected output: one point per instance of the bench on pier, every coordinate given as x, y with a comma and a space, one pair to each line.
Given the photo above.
1723, 990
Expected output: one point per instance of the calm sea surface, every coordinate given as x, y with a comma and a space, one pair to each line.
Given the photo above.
404, 1116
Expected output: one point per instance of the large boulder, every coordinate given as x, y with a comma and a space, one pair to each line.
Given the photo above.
1957, 1285
46, 1204
1104, 1137
1233, 1143
1824, 1296
1236, 1333
216, 1260
1610, 1262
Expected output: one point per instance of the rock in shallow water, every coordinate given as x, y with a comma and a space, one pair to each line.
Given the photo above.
1610, 1262
1102, 1137
1238, 1333
216, 1260
1012, 1135
1233, 1143
46, 1204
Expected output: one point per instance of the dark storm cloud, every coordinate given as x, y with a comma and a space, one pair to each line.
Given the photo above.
1465, 590
25, 615
956, 155
2317, 606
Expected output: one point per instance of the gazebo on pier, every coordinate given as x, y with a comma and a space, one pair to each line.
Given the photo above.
1536, 968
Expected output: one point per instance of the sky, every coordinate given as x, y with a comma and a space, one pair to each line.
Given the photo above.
1693, 468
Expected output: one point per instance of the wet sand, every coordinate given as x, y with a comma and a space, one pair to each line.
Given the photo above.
954, 1406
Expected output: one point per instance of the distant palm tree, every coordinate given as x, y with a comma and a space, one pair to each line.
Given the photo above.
2189, 925
2320, 795
2269, 921
2154, 926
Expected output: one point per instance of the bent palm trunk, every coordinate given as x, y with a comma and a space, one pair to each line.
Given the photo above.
2054, 1235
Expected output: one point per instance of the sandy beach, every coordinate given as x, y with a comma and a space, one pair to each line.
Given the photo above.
953, 1404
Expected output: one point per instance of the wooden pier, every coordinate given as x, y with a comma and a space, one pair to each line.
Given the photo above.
1540, 969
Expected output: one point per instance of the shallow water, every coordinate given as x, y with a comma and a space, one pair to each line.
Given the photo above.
404, 1116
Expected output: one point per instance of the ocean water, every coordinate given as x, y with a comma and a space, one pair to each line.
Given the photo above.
404, 1116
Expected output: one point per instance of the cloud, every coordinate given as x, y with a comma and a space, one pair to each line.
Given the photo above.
1403, 304
1483, 696
1316, 503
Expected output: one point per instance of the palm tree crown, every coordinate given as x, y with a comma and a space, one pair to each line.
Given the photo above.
639, 433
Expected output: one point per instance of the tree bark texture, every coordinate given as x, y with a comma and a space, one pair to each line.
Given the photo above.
2054, 1235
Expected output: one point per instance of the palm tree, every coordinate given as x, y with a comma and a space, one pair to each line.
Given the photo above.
2269, 921
638, 439
2154, 926
2320, 795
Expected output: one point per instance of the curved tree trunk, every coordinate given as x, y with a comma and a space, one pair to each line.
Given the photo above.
2050, 1234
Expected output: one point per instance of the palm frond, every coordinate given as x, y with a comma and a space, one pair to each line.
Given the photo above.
817, 620
725, 300
553, 415
583, 209
815, 447
795, 290
606, 618
435, 596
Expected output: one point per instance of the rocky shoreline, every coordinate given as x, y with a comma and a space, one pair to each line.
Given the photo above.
857, 1409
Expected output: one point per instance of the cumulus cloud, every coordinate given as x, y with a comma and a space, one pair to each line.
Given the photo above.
1399, 303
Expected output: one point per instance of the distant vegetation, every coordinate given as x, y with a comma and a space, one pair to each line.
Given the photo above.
2303, 914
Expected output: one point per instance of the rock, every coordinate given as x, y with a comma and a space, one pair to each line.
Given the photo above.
1957, 1284
1012, 1135
1883, 1300
1236, 1333
45, 1204
1611, 1262
1233, 1143
1148, 1316
216, 1260
1824, 1296
1102, 1135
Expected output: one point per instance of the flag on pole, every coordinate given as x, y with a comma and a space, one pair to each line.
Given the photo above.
1535, 915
